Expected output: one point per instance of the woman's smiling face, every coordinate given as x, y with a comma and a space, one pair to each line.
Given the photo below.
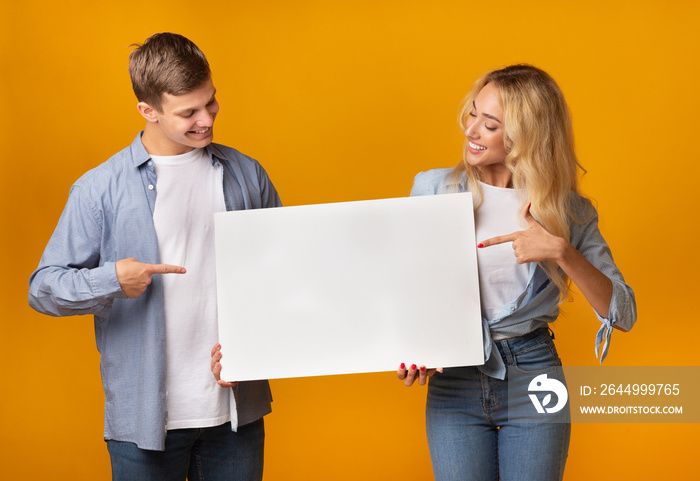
484, 130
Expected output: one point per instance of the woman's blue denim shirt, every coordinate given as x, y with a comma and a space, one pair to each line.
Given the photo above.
539, 302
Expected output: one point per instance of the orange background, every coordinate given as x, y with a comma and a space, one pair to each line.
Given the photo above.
346, 101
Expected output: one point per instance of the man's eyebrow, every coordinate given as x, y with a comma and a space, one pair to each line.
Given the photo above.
488, 116
193, 109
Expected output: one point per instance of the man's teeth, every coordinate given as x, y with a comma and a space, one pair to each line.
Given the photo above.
476, 147
201, 131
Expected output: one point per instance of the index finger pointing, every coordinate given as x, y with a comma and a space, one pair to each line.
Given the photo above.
167, 269
501, 239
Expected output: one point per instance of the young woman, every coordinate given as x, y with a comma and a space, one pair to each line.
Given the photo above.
535, 233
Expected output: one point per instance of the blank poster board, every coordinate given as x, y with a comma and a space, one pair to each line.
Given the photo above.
350, 287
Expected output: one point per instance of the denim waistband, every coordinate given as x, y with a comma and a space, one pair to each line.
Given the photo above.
513, 345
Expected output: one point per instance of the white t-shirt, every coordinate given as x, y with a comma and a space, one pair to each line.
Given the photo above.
190, 190
501, 278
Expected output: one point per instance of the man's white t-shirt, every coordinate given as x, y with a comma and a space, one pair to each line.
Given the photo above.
189, 191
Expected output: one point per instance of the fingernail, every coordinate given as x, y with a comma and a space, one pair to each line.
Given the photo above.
480, 245
529, 205
422, 369
413, 367
402, 366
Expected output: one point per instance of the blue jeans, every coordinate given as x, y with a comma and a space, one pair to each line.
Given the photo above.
215, 453
469, 433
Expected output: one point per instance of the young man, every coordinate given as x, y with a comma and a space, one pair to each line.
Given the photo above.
135, 248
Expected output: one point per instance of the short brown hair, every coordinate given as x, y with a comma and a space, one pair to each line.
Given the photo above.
166, 63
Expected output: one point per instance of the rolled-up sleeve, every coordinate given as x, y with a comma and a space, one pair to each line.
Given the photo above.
586, 237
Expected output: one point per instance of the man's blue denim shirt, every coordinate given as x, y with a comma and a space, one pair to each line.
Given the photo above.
539, 302
109, 217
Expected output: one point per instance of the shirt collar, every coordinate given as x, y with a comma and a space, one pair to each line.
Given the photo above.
140, 156
214, 153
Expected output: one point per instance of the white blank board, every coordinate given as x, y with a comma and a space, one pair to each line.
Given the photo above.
350, 287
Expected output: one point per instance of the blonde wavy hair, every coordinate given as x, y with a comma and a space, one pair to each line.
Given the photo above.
539, 142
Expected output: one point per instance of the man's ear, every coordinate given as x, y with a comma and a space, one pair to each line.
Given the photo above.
149, 113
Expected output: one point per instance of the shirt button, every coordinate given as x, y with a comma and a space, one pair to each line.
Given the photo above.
150, 162
151, 187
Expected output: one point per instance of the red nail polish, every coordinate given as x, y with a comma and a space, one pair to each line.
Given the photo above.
413, 367
422, 369
402, 366
480, 245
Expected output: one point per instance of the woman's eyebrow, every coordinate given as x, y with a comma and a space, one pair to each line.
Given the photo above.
488, 116
491, 117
